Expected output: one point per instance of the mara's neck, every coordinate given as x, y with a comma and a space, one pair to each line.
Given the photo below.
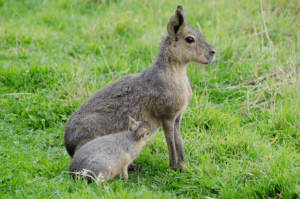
165, 59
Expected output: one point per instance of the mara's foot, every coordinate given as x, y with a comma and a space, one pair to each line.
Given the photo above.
180, 168
177, 168
134, 168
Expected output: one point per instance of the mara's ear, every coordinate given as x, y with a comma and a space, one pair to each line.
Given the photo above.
142, 133
133, 125
177, 22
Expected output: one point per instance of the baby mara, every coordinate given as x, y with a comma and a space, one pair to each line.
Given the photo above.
111, 154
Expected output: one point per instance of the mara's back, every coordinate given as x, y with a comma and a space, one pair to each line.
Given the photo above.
107, 111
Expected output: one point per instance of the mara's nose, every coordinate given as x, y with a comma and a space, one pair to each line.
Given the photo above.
212, 52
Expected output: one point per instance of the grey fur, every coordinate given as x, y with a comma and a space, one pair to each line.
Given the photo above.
158, 94
111, 154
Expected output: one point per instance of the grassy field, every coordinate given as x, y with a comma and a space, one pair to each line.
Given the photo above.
241, 130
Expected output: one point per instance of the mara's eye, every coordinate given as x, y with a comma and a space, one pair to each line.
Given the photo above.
147, 133
189, 40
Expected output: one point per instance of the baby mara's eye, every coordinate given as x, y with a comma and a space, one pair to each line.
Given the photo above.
189, 40
147, 133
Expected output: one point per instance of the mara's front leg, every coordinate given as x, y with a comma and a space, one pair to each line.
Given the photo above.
178, 144
124, 170
168, 127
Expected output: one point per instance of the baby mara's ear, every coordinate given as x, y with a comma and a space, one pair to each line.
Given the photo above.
133, 125
142, 133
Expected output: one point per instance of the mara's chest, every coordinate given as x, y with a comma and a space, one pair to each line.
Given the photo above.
175, 96
180, 92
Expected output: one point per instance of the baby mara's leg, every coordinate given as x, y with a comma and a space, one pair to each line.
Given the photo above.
125, 162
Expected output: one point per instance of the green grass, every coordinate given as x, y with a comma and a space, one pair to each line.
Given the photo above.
241, 130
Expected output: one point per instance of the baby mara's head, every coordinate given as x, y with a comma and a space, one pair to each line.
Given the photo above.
138, 127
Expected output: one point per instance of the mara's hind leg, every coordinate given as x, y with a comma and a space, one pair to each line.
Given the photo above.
105, 174
109, 174
79, 130
81, 143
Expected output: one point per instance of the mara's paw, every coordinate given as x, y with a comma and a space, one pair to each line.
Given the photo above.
180, 167
134, 168
174, 168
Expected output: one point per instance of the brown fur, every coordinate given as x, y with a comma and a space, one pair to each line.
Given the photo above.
158, 95
110, 155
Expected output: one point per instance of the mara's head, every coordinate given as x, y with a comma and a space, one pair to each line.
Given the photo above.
186, 44
138, 128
